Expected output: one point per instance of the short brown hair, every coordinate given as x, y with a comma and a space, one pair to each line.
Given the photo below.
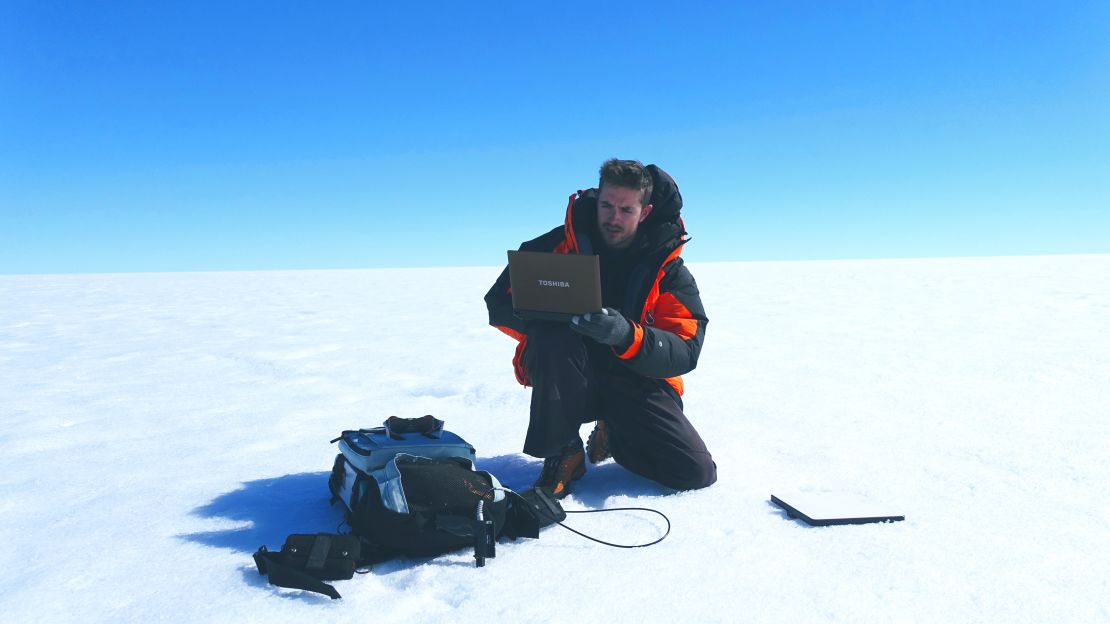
626, 174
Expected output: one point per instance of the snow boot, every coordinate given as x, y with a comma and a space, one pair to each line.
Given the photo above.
559, 470
597, 447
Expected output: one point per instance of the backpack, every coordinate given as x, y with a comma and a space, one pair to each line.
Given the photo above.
409, 488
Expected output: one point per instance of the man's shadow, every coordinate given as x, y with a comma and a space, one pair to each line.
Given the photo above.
518, 472
267, 510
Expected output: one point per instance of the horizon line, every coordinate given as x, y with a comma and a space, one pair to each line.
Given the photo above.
490, 266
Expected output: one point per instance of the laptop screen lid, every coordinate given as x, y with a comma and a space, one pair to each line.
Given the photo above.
551, 286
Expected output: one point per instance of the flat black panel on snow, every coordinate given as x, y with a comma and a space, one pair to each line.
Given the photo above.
833, 509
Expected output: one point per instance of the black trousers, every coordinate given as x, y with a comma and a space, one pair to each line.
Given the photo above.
575, 381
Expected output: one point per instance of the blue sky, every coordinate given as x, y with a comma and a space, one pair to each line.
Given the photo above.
271, 135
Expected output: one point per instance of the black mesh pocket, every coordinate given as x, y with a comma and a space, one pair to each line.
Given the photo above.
442, 485
442, 497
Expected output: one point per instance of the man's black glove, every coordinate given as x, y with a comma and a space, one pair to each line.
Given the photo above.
607, 327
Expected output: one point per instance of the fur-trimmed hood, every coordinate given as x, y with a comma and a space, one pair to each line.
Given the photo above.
662, 228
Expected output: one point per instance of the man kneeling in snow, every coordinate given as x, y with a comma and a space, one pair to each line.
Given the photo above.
620, 366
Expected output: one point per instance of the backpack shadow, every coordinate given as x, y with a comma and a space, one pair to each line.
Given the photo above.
268, 510
265, 511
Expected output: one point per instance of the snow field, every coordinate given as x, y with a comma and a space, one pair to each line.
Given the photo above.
155, 429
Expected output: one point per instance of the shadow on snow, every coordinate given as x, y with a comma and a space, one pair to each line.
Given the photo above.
270, 509
517, 472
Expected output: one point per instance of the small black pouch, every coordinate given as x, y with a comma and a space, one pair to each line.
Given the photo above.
305, 561
427, 425
530, 511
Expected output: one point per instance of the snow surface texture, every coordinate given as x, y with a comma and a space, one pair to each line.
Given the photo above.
158, 428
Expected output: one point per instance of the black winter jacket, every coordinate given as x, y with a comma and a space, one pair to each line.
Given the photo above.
661, 298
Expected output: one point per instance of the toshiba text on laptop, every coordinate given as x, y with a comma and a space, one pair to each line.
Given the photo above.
554, 287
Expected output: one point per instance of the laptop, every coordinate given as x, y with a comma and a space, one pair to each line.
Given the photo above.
554, 287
